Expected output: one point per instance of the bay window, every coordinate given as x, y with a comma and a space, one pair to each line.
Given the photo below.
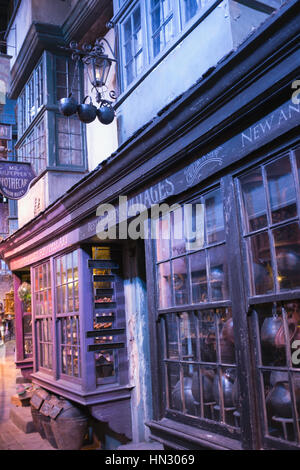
39, 122
79, 321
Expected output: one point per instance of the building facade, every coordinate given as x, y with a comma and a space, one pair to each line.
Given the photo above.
188, 340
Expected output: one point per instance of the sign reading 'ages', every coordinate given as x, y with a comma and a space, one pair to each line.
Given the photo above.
15, 178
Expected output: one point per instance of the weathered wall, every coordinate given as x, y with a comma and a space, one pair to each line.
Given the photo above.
102, 140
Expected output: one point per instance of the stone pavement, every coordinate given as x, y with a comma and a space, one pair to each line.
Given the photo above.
11, 437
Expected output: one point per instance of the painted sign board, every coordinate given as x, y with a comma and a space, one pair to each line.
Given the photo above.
15, 178
278, 122
5, 132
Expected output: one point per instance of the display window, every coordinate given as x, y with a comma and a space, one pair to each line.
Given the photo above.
250, 221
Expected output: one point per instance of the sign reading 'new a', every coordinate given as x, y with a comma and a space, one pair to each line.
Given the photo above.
15, 178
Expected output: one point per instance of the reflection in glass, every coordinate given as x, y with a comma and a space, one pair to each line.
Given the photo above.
171, 332
162, 234
174, 387
198, 277
218, 273
104, 363
262, 275
254, 200
177, 240
281, 190
287, 248
180, 281
208, 335
188, 337
214, 217
164, 285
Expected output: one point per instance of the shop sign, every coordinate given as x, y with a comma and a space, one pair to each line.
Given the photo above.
5, 132
15, 178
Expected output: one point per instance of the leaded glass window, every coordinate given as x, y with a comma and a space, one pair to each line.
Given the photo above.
67, 312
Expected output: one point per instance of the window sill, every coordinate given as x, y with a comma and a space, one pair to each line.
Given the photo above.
181, 436
74, 391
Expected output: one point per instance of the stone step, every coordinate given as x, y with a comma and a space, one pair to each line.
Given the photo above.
142, 446
21, 417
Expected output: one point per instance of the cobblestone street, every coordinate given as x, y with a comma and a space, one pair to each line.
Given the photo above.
11, 437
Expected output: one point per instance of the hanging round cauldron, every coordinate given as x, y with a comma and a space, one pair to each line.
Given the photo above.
188, 396
105, 113
68, 106
70, 426
87, 112
272, 331
207, 386
227, 379
279, 401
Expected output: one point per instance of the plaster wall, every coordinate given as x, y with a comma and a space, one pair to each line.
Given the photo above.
102, 140
46, 190
42, 11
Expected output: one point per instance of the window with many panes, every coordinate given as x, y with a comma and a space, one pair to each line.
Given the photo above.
195, 289
142, 41
133, 45
270, 210
162, 24
31, 98
33, 148
53, 78
67, 313
69, 141
199, 366
67, 78
97, 356
42, 302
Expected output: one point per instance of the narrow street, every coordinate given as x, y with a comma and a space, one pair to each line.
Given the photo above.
11, 437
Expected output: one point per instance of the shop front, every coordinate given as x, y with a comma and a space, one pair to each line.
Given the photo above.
194, 337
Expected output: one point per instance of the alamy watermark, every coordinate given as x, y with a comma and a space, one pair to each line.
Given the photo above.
137, 221
296, 93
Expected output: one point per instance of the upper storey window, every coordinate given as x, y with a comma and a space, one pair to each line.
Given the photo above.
45, 138
147, 29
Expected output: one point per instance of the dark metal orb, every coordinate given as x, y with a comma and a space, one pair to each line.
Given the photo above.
105, 114
68, 106
87, 113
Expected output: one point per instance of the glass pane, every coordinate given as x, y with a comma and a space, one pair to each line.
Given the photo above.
162, 234
227, 350
69, 267
75, 264
207, 329
174, 387
70, 298
198, 277
63, 269
180, 281
281, 190
287, 247
214, 217
76, 297
262, 275
188, 337
254, 200
171, 337
164, 285
177, 240
104, 363
190, 8
218, 273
